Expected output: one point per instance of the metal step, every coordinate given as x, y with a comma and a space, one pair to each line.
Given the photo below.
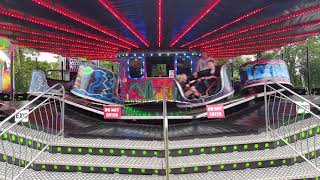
177, 144
30, 174
137, 148
297, 171
185, 164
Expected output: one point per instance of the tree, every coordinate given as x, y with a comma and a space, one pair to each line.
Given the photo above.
112, 66
24, 65
296, 59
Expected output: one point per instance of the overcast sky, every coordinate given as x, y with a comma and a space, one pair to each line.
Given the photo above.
49, 57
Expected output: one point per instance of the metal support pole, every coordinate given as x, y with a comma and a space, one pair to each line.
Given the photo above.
12, 78
308, 72
165, 133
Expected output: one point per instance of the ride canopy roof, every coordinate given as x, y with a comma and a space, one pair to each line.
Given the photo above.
102, 28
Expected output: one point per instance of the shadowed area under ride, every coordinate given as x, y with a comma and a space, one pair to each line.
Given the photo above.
248, 120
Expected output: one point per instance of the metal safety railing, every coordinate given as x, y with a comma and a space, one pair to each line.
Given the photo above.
27, 133
294, 120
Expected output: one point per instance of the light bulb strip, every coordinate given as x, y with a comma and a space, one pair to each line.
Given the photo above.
211, 5
58, 8
45, 41
57, 48
301, 35
159, 22
76, 54
25, 30
54, 25
124, 21
79, 52
256, 46
245, 51
90, 57
260, 25
226, 25
267, 33
71, 54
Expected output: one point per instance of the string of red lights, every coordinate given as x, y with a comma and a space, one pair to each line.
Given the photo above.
55, 25
108, 58
267, 33
59, 49
53, 36
84, 54
260, 25
245, 51
124, 21
78, 54
46, 41
255, 46
226, 25
159, 22
83, 37
71, 53
274, 39
228, 56
55, 47
211, 5
84, 20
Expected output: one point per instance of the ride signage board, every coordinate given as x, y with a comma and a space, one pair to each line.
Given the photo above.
303, 107
215, 111
112, 112
22, 116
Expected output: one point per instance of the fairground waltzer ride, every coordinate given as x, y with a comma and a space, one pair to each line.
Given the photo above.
148, 77
163, 110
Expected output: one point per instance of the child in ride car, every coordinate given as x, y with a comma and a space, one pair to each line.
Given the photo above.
190, 90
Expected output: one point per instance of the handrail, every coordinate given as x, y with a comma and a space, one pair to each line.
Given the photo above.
277, 131
47, 126
289, 90
312, 113
34, 100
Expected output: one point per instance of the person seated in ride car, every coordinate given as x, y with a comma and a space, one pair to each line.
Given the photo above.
210, 72
203, 62
190, 91
206, 76
194, 80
